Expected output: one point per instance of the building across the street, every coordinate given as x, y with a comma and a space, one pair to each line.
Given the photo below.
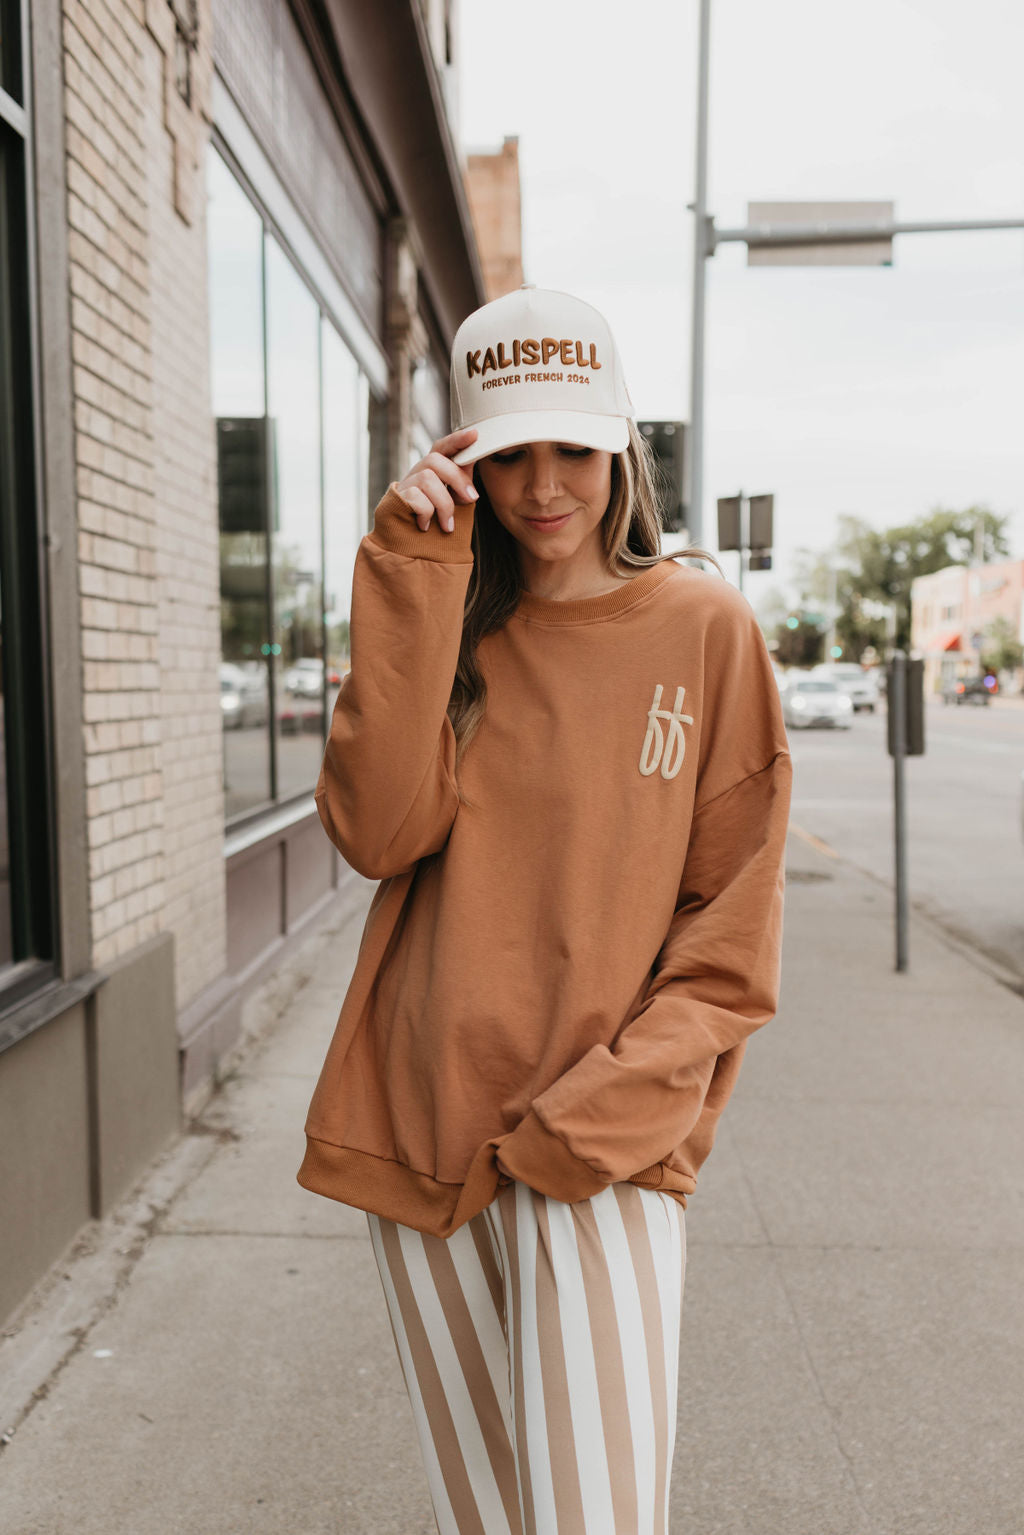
953, 612
235, 245
492, 183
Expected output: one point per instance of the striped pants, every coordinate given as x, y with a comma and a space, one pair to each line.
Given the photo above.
540, 1347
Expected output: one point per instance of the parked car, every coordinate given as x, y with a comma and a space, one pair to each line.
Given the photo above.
243, 695
808, 700
850, 678
970, 690
306, 677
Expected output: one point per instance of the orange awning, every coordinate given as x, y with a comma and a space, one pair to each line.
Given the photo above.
948, 641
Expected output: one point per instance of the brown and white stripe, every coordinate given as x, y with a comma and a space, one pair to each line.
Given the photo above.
540, 1348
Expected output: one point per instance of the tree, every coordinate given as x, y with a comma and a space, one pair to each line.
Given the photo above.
1002, 651
887, 563
799, 645
771, 610
821, 581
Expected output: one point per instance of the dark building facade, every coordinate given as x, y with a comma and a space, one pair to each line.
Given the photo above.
234, 248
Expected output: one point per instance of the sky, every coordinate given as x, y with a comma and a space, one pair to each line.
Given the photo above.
880, 392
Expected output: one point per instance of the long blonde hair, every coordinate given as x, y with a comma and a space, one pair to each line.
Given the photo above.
631, 535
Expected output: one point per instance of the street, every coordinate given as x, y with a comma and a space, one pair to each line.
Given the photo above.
965, 851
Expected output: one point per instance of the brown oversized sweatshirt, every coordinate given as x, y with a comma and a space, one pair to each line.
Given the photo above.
563, 993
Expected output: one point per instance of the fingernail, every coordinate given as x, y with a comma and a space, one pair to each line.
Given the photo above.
451, 524
472, 491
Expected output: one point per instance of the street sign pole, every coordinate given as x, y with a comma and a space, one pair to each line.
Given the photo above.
765, 236
905, 739
745, 524
898, 739
741, 551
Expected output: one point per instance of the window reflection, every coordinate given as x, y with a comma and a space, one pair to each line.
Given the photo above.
346, 465
243, 453
10, 49
292, 409
6, 950
293, 392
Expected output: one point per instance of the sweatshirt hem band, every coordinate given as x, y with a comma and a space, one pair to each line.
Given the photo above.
394, 1192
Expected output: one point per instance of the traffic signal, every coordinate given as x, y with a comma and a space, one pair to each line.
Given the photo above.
730, 526
667, 441
761, 518
242, 473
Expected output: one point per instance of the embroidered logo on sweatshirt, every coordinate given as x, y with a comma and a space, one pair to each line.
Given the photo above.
665, 745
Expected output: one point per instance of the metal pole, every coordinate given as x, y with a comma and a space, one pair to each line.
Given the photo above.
702, 248
897, 707
744, 525
771, 235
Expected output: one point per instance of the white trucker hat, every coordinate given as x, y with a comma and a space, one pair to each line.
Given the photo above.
538, 366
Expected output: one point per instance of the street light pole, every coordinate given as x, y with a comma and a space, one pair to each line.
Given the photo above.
897, 715
706, 238
702, 248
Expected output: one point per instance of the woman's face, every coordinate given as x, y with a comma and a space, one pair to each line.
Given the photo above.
550, 496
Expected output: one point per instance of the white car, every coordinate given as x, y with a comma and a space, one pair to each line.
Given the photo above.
306, 677
809, 700
850, 678
243, 695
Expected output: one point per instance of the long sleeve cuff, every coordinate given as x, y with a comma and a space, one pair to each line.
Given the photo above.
532, 1155
395, 528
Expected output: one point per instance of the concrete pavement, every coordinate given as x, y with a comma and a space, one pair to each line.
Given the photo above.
215, 1359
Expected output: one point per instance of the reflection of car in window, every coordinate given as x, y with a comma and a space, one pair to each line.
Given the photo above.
243, 694
306, 676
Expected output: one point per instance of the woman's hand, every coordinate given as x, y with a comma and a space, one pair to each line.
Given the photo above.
429, 487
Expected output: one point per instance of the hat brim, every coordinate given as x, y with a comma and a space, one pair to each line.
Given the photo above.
579, 427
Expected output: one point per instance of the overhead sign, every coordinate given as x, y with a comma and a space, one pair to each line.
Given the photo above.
784, 216
730, 534
762, 510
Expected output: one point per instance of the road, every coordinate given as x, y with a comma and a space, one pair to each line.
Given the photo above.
965, 851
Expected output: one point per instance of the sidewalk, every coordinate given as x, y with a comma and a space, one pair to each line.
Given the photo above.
218, 1361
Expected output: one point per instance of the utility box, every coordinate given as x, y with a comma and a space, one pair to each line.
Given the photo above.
913, 710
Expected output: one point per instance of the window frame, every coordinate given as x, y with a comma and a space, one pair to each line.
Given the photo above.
28, 735
283, 224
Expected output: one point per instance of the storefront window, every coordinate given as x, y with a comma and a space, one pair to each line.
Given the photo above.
10, 49
346, 465
293, 375
26, 891
9, 381
239, 404
292, 408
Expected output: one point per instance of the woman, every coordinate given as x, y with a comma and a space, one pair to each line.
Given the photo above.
562, 754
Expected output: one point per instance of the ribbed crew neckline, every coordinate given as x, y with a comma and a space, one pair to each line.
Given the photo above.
578, 610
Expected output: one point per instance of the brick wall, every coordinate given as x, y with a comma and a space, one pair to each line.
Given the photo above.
492, 187
145, 484
187, 545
